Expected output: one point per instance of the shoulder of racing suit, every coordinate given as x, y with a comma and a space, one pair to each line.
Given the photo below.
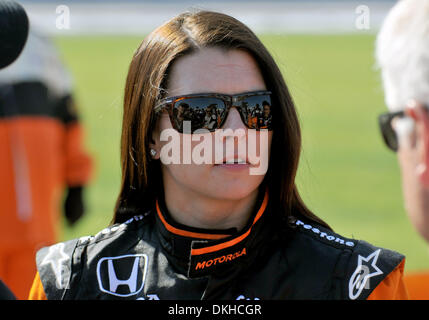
62, 266
353, 268
315, 263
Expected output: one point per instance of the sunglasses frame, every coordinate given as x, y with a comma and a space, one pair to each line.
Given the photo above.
229, 101
384, 122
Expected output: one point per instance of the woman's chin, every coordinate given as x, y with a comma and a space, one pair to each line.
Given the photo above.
232, 191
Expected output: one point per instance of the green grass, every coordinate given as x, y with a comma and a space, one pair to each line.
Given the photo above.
346, 176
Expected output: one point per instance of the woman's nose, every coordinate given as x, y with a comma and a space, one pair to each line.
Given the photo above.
234, 134
233, 120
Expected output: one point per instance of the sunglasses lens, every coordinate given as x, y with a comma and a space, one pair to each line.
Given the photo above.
256, 112
388, 133
191, 114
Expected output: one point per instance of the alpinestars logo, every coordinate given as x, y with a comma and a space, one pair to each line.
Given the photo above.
58, 259
122, 276
365, 270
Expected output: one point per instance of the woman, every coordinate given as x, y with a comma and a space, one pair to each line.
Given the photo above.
214, 229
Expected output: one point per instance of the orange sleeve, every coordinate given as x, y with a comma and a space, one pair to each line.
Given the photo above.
392, 287
78, 162
417, 284
37, 292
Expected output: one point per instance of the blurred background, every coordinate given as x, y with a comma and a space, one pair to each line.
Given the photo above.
325, 50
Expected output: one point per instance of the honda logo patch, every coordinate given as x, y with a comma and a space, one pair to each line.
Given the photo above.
122, 276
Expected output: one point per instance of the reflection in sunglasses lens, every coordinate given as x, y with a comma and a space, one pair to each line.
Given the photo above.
205, 113
256, 112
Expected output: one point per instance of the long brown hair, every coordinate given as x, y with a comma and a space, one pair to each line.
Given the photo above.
146, 84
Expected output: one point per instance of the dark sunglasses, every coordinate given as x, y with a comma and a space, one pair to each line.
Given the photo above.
387, 131
210, 110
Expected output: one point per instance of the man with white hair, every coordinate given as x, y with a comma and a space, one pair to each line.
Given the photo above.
402, 53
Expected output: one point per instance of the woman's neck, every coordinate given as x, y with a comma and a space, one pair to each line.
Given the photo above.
196, 210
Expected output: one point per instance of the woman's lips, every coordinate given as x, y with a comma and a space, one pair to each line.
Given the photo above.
233, 166
234, 163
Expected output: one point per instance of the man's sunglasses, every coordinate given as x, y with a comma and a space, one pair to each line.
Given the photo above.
387, 131
210, 110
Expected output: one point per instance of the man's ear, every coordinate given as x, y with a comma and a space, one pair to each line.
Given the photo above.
420, 115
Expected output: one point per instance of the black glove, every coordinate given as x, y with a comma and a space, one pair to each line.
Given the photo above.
73, 206
5, 293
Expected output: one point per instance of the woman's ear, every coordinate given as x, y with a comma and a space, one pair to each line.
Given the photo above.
154, 145
420, 115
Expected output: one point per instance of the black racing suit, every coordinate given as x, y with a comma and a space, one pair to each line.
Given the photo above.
151, 257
